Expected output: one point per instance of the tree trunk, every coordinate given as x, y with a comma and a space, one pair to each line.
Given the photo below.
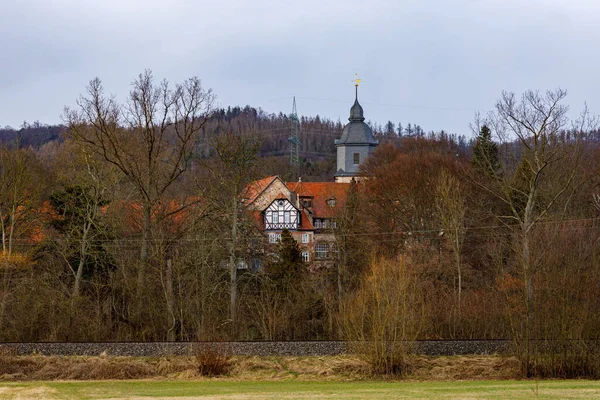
340, 272
11, 230
3, 228
170, 301
144, 251
233, 267
459, 272
4, 299
82, 260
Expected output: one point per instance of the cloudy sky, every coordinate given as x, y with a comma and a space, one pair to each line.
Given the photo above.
431, 62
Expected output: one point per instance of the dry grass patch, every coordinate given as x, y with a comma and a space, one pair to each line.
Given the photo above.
303, 368
329, 368
454, 368
15, 368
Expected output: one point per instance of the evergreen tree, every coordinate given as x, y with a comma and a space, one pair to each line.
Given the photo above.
485, 153
390, 128
418, 131
80, 234
288, 269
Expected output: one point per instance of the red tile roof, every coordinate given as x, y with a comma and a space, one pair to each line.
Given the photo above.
321, 192
258, 219
305, 224
254, 189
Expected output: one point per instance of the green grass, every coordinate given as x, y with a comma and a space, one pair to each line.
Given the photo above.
292, 389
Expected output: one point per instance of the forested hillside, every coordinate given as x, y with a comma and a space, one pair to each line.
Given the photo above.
317, 136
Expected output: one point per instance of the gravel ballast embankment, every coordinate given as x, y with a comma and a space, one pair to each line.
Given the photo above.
297, 348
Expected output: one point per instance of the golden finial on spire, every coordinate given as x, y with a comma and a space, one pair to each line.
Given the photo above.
356, 82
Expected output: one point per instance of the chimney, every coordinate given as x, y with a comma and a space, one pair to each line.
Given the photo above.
294, 198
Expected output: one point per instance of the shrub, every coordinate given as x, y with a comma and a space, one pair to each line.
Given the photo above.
564, 359
213, 359
382, 318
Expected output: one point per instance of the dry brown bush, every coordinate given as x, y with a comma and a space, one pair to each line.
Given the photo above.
383, 317
213, 359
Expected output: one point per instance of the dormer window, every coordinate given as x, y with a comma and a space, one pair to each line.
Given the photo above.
331, 202
356, 158
307, 203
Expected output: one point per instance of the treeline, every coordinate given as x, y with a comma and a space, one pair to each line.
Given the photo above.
134, 227
31, 135
317, 137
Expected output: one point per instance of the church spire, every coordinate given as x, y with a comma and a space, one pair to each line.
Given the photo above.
356, 112
356, 143
356, 82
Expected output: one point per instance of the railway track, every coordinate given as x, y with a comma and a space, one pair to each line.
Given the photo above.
244, 348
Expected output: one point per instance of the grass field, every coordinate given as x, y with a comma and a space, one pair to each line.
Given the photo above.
228, 389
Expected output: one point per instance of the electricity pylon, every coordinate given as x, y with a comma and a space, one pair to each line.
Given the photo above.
294, 140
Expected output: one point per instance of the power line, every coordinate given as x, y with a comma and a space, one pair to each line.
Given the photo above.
399, 232
426, 107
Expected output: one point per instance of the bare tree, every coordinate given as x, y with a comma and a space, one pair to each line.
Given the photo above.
149, 138
230, 172
451, 209
541, 172
18, 190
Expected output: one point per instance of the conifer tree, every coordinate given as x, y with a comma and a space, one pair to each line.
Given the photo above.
289, 267
485, 153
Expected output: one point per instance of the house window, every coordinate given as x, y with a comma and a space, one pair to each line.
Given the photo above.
334, 224
356, 158
274, 237
335, 249
305, 238
307, 203
318, 223
326, 223
275, 217
322, 250
305, 256
286, 217
241, 264
331, 202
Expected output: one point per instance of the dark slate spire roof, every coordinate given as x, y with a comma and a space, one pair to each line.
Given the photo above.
357, 132
356, 113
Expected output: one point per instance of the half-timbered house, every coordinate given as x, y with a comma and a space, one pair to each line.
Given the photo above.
310, 210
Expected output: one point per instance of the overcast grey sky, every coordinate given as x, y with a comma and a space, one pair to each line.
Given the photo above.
431, 62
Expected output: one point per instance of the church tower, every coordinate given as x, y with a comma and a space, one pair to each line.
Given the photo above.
355, 145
